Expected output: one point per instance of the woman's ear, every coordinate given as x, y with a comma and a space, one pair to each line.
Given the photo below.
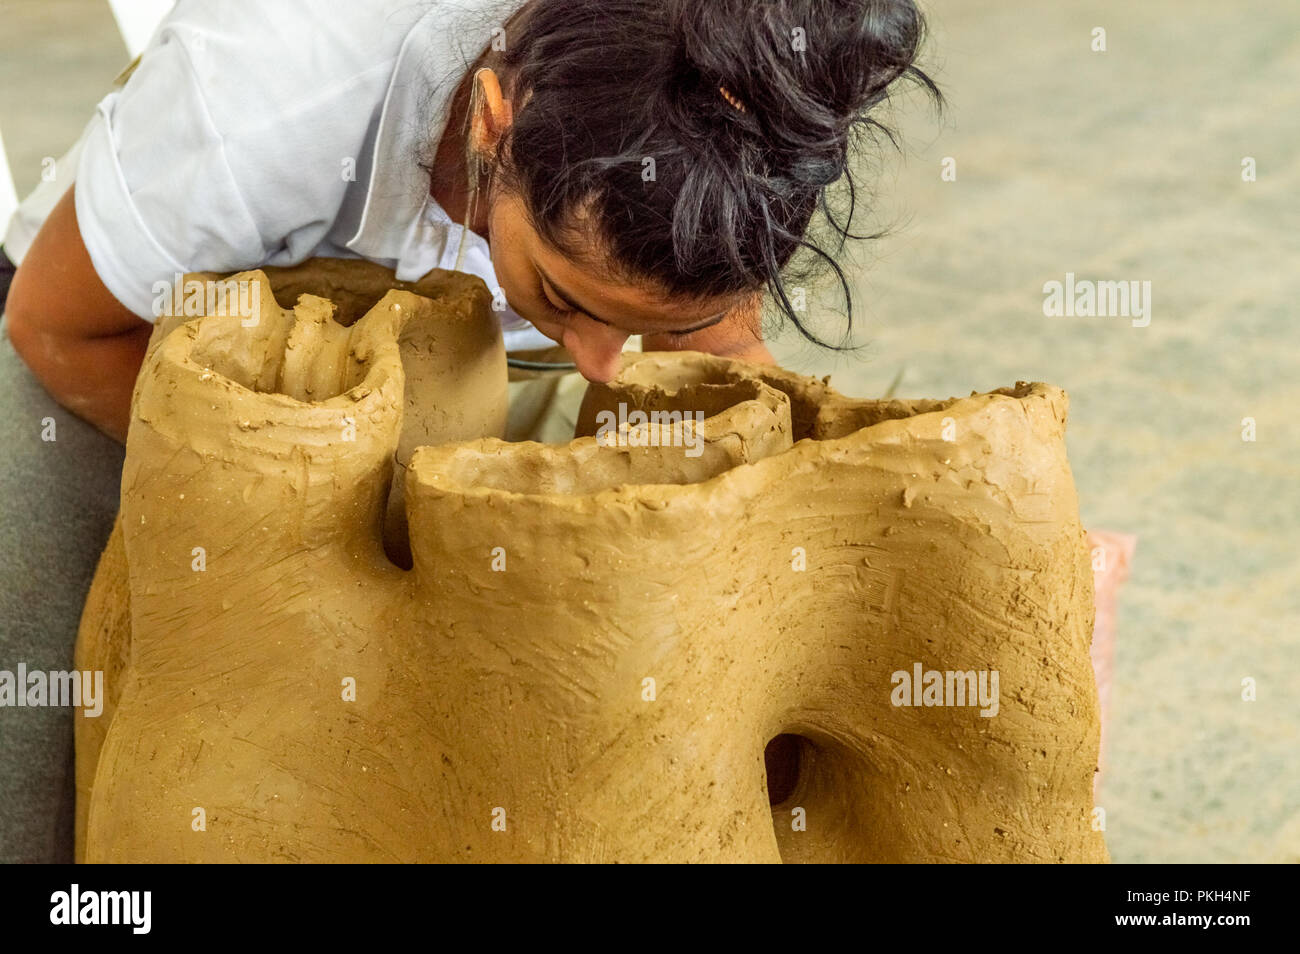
491, 113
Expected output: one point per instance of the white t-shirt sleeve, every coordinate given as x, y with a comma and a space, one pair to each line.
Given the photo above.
155, 193
225, 149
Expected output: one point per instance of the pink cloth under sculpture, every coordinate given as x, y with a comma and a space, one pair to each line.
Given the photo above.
1111, 556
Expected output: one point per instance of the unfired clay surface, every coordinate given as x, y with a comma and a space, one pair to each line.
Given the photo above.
596, 642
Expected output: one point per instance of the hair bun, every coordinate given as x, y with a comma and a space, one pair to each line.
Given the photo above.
807, 71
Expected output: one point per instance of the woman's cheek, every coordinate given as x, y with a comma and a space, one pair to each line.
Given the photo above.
512, 287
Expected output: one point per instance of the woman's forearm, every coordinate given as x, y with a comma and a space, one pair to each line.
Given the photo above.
82, 344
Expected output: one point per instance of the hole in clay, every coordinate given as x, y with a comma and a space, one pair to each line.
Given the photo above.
701, 381
783, 758
824, 793
305, 355
354, 287
675, 375
807, 422
349, 304
707, 398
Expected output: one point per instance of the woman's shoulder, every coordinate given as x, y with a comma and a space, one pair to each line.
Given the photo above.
247, 130
260, 65
254, 59
291, 84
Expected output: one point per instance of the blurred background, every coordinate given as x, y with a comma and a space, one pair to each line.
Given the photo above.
1122, 164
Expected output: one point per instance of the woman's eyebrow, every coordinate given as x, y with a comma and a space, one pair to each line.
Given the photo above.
565, 297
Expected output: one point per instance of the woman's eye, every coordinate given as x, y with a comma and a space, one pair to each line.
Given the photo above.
550, 302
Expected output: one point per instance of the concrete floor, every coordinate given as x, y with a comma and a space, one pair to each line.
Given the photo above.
1117, 165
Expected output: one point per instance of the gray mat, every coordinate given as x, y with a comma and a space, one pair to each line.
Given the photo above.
59, 501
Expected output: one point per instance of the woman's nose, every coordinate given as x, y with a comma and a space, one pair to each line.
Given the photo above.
595, 349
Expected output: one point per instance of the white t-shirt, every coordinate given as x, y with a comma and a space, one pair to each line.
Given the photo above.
256, 132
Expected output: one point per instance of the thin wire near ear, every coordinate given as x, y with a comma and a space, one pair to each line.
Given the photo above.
473, 164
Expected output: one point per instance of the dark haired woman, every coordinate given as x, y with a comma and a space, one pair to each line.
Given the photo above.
624, 167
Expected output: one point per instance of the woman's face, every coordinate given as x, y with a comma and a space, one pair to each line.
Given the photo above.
591, 317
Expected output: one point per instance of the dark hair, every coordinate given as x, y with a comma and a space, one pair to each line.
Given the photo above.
601, 85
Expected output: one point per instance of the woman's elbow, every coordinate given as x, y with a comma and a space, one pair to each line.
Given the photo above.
39, 350
19, 327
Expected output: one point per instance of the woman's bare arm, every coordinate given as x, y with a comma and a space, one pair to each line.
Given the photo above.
83, 345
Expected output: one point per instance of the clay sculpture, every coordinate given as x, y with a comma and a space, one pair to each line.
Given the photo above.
683, 636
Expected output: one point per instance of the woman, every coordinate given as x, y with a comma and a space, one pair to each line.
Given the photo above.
624, 167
